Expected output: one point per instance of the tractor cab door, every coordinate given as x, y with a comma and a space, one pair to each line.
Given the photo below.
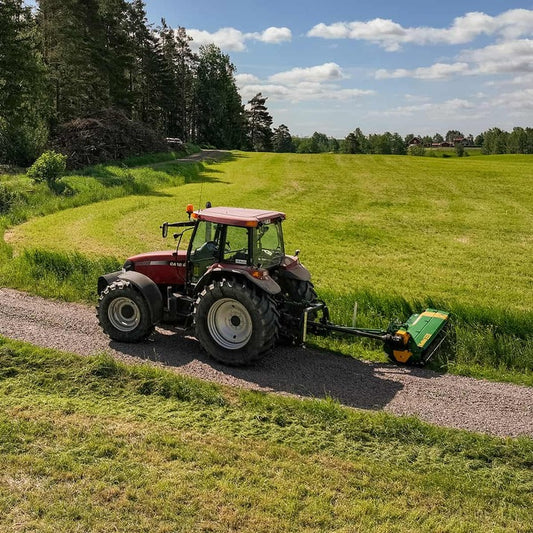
204, 248
237, 245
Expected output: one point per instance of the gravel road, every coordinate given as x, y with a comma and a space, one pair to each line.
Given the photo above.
453, 401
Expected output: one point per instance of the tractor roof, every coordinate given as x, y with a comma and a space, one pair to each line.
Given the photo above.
238, 216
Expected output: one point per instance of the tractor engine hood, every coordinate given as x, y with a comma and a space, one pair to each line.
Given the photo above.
166, 267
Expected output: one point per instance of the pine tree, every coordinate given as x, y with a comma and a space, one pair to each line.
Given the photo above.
259, 124
218, 112
116, 52
23, 103
73, 43
177, 90
148, 75
356, 143
282, 140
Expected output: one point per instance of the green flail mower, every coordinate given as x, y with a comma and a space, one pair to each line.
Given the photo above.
414, 341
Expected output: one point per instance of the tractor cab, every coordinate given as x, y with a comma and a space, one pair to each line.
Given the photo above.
243, 239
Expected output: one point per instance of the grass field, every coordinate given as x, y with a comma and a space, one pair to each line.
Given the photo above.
88, 444
393, 233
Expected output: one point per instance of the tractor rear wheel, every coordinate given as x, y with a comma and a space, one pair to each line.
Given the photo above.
123, 313
236, 323
300, 291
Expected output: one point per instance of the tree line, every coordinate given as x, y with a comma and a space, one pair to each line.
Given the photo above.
492, 141
69, 58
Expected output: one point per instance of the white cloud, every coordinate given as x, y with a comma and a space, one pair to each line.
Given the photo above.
268, 89
319, 73
379, 30
226, 38
513, 103
302, 84
438, 71
390, 35
416, 98
305, 91
448, 108
516, 101
245, 79
274, 35
512, 56
233, 40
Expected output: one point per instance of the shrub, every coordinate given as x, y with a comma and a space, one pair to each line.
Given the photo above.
460, 149
20, 144
48, 168
7, 199
416, 149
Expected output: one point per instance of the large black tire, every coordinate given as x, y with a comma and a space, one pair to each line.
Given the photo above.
300, 291
303, 293
235, 323
123, 313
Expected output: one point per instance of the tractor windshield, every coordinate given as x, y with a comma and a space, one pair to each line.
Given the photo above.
268, 245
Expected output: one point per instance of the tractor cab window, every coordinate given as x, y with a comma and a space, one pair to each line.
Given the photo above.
236, 247
268, 245
204, 248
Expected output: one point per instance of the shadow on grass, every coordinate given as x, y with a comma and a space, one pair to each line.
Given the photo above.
191, 172
291, 370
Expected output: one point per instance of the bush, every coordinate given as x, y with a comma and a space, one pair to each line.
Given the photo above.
21, 143
460, 149
416, 149
48, 168
8, 198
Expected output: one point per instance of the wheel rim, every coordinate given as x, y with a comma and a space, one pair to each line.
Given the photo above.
229, 323
124, 314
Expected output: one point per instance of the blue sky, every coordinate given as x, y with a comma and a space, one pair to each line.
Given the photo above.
381, 65
411, 67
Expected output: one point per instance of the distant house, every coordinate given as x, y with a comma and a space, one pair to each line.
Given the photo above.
444, 144
415, 141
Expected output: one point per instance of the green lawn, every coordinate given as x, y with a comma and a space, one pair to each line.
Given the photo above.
394, 233
88, 444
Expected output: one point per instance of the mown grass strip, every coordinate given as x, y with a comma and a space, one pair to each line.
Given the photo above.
87, 445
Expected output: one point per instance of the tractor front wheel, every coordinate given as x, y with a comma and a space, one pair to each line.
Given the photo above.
234, 322
123, 313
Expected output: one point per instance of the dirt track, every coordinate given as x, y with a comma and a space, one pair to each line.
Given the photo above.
446, 400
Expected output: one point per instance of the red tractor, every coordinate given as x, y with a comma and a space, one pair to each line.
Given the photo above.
239, 291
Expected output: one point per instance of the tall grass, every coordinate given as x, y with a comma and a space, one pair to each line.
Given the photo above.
495, 339
69, 276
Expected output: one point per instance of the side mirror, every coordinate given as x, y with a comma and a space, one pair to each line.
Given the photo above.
164, 229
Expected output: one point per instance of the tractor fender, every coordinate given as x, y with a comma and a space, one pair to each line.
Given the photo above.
266, 283
143, 284
292, 268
